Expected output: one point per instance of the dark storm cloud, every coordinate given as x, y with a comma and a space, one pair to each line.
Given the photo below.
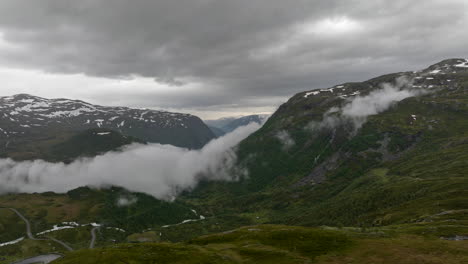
238, 51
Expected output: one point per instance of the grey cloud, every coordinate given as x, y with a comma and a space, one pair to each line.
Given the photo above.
244, 48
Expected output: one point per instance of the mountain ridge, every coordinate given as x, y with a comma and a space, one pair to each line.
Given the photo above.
316, 170
26, 120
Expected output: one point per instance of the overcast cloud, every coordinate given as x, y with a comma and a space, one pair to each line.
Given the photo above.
215, 57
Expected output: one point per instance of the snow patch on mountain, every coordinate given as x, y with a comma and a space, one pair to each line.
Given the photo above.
18, 113
56, 110
463, 64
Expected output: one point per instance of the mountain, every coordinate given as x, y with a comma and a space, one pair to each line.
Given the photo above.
221, 122
337, 157
229, 124
218, 132
28, 123
88, 143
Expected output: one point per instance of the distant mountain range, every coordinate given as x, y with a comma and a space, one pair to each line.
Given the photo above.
228, 124
31, 124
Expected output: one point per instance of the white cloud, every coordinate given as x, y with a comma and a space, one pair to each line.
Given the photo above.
332, 26
285, 138
123, 201
158, 170
357, 109
360, 107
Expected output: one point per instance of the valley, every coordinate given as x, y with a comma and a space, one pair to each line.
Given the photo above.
363, 172
233, 132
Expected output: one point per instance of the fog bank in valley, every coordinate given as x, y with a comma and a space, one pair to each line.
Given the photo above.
159, 170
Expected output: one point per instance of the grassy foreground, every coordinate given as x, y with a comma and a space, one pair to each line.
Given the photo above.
285, 244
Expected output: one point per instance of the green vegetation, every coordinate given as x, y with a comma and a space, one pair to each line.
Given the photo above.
396, 169
27, 248
84, 206
10, 227
256, 244
68, 146
89, 143
285, 244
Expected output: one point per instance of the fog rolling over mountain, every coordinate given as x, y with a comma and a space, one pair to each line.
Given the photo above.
389, 150
29, 124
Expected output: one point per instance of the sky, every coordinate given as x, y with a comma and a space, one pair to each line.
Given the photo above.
216, 58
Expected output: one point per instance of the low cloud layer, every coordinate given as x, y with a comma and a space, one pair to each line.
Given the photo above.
158, 170
358, 109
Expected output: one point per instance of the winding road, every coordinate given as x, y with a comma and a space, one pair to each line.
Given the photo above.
93, 237
26, 221
49, 257
31, 236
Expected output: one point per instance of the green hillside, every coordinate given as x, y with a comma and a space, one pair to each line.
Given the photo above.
394, 169
119, 213
66, 147
89, 143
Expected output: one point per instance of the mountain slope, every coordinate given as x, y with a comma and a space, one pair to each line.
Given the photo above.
88, 143
310, 164
243, 121
27, 121
217, 131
